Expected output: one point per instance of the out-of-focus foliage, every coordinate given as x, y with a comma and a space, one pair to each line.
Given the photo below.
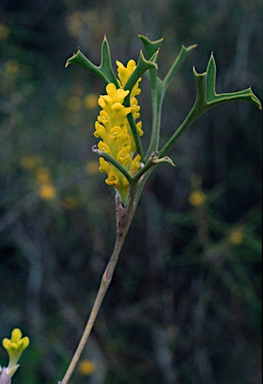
184, 304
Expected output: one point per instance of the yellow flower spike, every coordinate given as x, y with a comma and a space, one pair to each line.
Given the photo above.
113, 127
15, 347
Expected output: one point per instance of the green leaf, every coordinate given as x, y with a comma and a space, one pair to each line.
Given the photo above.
184, 52
106, 64
104, 72
81, 60
208, 90
159, 87
207, 98
151, 47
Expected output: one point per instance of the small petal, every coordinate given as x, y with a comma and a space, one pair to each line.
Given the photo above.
104, 147
112, 179
116, 133
16, 335
123, 156
104, 165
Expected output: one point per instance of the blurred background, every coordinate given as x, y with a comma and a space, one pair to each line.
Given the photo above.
184, 306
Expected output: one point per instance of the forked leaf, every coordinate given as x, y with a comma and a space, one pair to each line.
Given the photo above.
207, 90
151, 47
81, 60
106, 63
104, 72
207, 98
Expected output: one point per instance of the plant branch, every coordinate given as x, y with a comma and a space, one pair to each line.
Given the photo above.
114, 162
124, 218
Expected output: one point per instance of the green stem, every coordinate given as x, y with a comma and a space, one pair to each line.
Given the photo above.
156, 111
149, 164
184, 52
114, 162
124, 219
191, 117
136, 136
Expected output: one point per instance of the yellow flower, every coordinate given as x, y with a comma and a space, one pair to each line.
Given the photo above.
15, 347
86, 367
91, 101
112, 126
197, 198
92, 167
236, 237
47, 191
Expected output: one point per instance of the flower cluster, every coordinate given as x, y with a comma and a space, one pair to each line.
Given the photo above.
112, 126
14, 347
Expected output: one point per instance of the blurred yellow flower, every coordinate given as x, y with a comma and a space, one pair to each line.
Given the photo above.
197, 198
70, 202
74, 103
12, 67
87, 367
4, 31
43, 175
75, 23
47, 191
236, 237
29, 162
92, 167
91, 101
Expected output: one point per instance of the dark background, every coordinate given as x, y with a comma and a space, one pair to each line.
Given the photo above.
184, 305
